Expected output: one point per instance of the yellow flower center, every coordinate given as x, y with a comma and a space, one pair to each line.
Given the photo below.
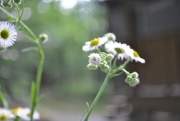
3, 117
94, 42
15, 110
135, 53
29, 115
4, 34
118, 50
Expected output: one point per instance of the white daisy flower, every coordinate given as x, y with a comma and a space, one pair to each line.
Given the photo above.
94, 44
135, 56
123, 51
8, 34
5, 114
94, 58
24, 113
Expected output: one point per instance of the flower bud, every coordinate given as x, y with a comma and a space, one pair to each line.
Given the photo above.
17, 1
109, 57
6, 3
2, 48
43, 38
92, 66
94, 58
105, 67
134, 75
132, 79
111, 36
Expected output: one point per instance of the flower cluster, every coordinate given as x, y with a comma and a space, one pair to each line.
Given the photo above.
17, 113
112, 51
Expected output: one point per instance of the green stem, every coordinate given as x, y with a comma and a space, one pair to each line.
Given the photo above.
38, 79
101, 90
3, 99
40, 64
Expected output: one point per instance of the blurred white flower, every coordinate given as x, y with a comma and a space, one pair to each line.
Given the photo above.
123, 51
94, 44
135, 56
5, 114
8, 34
24, 113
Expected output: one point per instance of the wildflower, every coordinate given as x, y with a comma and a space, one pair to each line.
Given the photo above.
119, 49
8, 34
135, 56
94, 44
132, 79
24, 113
111, 36
5, 114
94, 58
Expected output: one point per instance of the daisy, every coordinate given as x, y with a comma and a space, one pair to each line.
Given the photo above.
94, 44
24, 113
135, 56
5, 114
8, 34
123, 51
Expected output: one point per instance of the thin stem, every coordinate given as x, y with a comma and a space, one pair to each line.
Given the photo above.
41, 59
38, 79
101, 90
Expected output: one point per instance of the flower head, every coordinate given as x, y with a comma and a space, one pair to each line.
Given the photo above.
94, 44
8, 34
121, 50
24, 113
5, 114
135, 56
94, 58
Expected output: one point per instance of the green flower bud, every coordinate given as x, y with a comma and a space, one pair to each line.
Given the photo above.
105, 67
132, 79
111, 36
43, 38
6, 3
109, 57
92, 66
2, 48
17, 1
134, 75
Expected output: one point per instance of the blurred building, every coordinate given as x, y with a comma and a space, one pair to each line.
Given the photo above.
152, 27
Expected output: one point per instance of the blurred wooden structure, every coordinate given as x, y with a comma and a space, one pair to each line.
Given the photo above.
152, 27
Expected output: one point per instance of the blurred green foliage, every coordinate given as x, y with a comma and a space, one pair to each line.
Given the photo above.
65, 69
